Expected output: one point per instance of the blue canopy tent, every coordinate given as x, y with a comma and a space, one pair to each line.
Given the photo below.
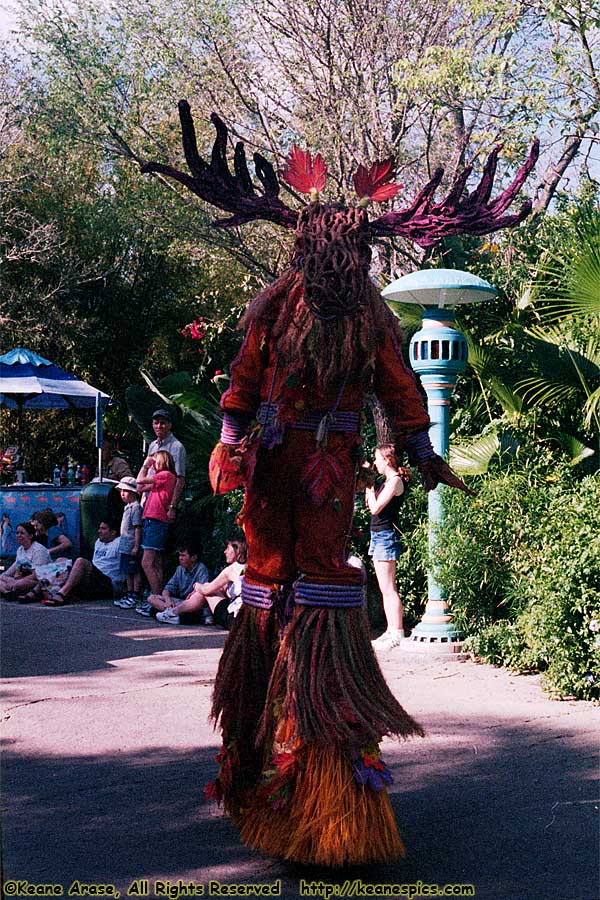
28, 381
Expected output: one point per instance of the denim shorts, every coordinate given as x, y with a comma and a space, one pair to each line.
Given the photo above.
130, 565
154, 534
385, 545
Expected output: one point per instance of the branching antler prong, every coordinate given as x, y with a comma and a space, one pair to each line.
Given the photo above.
426, 222
214, 183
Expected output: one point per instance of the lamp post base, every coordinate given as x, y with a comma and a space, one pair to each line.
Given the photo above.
434, 648
436, 633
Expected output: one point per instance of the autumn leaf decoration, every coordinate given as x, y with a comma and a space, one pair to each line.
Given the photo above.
304, 173
322, 473
376, 183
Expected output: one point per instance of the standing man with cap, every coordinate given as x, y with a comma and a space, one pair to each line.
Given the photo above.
162, 426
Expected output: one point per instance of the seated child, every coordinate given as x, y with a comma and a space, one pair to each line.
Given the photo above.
181, 584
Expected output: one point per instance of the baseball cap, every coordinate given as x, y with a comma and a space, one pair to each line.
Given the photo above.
162, 414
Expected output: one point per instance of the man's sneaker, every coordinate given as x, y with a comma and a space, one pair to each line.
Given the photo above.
126, 602
144, 609
388, 640
207, 617
167, 617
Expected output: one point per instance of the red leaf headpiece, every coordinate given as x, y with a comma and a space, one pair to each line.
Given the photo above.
304, 173
376, 183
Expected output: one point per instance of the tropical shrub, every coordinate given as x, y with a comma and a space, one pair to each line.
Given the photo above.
521, 565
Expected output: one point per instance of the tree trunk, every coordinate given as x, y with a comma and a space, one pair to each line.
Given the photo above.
555, 172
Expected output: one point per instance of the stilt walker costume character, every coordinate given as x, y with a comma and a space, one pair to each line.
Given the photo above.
300, 698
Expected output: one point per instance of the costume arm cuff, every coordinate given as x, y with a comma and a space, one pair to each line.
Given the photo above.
418, 446
235, 426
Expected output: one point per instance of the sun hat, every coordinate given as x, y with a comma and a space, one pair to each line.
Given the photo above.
162, 414
128, 483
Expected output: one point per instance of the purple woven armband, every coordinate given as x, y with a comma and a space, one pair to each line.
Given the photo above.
419, 447
234, 427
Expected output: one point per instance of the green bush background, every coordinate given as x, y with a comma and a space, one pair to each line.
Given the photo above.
521, 565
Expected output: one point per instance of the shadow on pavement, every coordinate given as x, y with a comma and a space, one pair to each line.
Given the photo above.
516, 828
498, 795
38, 640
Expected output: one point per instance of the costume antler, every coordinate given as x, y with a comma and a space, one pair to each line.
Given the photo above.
216, 185
426, 222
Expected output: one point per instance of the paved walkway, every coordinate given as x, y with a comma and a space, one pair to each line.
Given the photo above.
107, 748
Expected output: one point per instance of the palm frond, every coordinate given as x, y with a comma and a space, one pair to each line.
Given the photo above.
570, 287
171, 384
203, 408
591, 410
410, 314
538, 391
575, 449
481, 359
474, 458
554, 356
509, 400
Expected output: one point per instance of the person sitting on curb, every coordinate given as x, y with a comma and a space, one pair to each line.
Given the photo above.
97, 579
51, 535
221, 596
21, 577
181, 583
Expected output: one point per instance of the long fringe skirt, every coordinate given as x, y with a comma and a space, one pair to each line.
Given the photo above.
302, 718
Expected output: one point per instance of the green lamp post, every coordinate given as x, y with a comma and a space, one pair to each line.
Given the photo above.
438, 353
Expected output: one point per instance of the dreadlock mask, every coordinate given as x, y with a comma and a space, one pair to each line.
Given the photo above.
332, 249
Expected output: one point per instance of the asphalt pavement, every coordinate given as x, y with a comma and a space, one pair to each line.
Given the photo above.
107, 746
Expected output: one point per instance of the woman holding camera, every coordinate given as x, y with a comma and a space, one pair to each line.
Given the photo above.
384, 504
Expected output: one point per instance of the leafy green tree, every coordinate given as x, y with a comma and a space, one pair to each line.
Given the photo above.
427, 82
90, 279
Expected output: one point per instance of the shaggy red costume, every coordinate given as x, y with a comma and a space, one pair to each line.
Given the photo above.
300, 698
300, 770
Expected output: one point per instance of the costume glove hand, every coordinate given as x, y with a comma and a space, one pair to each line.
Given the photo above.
436, 470
225, 468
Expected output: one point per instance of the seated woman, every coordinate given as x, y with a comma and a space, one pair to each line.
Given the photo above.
51, 535
220, 597
20, 578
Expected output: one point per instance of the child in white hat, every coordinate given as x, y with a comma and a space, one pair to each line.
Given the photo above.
131, 535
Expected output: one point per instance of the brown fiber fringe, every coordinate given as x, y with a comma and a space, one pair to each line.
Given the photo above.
239, 695
328, 352
327, 681
330, 821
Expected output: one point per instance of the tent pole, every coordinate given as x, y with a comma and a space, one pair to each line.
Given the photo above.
99, 433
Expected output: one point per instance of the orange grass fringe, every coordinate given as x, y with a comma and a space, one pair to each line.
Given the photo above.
330, 821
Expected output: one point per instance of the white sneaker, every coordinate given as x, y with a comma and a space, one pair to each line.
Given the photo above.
167, 617
144, 609
388, 640
126, 602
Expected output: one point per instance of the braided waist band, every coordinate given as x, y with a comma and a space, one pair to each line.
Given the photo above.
306, 593
336, 421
